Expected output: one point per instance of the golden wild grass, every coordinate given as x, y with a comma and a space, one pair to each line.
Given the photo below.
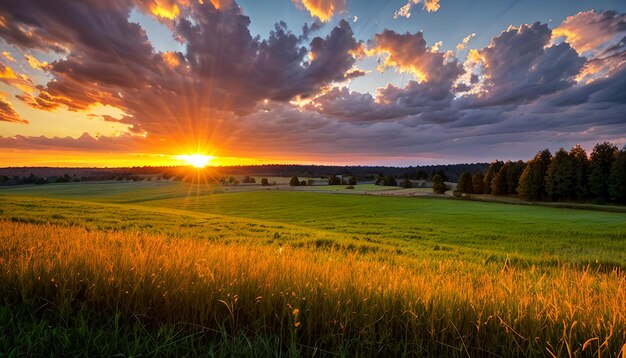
315, 301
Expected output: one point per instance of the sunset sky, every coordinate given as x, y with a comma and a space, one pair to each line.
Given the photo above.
388, 82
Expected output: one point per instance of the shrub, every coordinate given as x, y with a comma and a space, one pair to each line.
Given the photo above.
248, 180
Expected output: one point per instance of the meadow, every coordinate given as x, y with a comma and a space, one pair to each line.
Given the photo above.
168, 268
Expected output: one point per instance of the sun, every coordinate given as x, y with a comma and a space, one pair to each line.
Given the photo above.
196, 160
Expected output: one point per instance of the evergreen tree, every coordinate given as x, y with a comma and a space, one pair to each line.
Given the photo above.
560, 177
465, 183
600, 164
580, 168
532, 182
478, 183
493, 170
439, 186
617, 178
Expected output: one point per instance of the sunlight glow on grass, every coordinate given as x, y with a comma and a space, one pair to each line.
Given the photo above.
196, 160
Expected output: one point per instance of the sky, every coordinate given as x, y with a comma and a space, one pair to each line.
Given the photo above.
348, 82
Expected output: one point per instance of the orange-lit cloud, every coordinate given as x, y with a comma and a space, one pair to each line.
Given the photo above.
172, 59
20, 81
35, 63
461, 46
591, 31
165, 9
226, 91
405, 10
407, 53
323, 9
7, 111
8, 56
599, 37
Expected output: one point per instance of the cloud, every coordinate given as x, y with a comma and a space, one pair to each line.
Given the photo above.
409, 53
427, 98
85, 142
519, 66
591, 32
35, 63
601, 37
7, 112
20, 81
405, 10
324, 10
257, 95
463, 44
8, 56
111, 61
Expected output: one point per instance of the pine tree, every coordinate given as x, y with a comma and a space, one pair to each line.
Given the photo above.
465, 183
602, 158
617, 178
532, 182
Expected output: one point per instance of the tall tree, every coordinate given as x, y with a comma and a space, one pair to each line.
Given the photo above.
499, 183
439, 186
478, 183
465, 183
617, 178
560, 177
580, 167
493, 170
512, 176
600, 163
532, 182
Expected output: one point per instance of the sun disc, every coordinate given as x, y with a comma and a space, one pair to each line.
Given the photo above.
196, 160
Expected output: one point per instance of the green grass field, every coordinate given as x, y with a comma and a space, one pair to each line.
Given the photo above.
384, 275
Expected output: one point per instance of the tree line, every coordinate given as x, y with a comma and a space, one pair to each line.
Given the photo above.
564, 176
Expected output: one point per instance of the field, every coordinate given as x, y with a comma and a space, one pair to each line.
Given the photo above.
168, 268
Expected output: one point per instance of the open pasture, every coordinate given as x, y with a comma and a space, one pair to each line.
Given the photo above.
170, 268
